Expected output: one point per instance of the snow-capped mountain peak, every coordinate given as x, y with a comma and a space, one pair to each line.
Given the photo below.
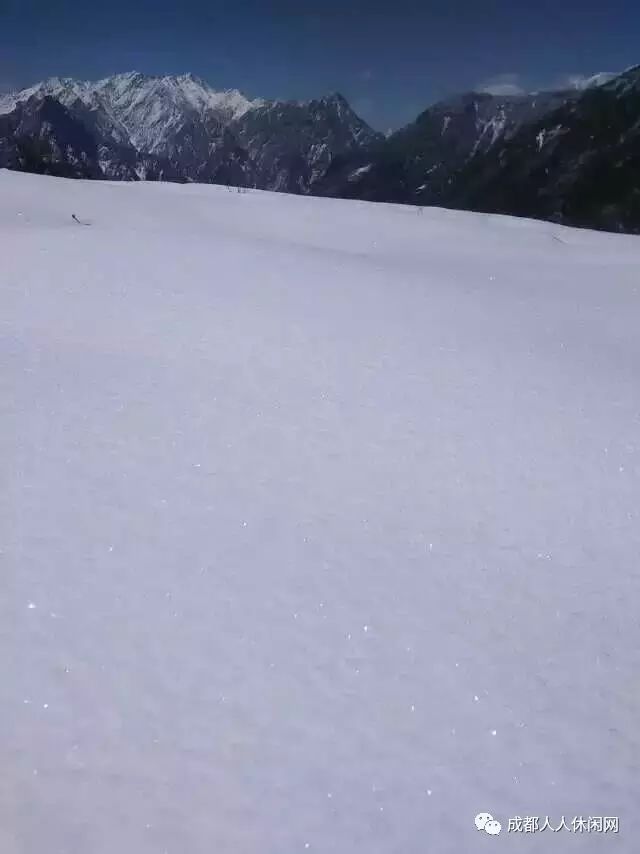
61, 88
184, 90
151, 108
140, 109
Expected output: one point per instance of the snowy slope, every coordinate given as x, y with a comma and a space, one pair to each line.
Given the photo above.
320, 525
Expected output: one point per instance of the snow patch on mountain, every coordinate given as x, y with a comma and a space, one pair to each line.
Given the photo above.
489, 131
362, 170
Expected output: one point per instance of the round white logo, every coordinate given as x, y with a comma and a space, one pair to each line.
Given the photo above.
485, 821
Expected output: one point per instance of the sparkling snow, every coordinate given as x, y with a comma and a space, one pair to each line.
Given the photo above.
336, 507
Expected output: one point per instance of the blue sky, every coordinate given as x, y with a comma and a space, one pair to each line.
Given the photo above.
390, 59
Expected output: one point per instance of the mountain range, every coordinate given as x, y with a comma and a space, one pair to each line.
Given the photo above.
571, 156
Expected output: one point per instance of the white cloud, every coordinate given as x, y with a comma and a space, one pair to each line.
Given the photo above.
587, 81
512, 83
502, 84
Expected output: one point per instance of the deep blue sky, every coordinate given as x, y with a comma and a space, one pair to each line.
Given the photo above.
391, 59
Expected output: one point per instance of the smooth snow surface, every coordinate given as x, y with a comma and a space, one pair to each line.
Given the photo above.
319, 525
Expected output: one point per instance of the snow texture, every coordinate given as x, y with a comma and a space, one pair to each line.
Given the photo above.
319, 525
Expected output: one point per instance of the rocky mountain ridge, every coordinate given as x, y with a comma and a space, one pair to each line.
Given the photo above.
190, 131
570, 155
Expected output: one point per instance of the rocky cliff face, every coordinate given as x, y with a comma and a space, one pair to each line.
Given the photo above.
292, 144
40, 135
